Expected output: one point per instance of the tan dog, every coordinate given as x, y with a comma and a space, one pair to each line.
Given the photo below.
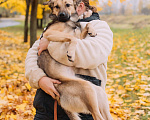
76, 94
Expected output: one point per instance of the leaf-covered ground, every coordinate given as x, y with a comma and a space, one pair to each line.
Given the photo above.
16, 96
128, 85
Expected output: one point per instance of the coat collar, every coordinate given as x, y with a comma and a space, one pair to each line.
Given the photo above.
94, 16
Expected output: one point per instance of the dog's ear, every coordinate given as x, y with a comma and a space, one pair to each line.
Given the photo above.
75, 3
46, 3
50, 3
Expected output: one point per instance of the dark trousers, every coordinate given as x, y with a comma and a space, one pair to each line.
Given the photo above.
44, 105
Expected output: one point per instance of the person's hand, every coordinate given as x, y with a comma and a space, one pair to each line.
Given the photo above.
47, 85
43, 45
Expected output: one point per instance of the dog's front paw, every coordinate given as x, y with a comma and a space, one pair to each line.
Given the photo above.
70, 56
92, 33
91, 30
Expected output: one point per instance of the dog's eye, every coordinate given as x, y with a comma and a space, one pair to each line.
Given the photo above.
57, 6
67, 5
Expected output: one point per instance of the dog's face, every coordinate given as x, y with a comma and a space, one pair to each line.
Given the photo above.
62, 9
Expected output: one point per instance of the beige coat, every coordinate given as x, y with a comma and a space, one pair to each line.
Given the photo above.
90, 58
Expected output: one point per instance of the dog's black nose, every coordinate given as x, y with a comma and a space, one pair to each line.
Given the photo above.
63, 17
62, 14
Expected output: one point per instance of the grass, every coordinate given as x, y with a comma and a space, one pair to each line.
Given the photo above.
19, 29
127, 22
130, 60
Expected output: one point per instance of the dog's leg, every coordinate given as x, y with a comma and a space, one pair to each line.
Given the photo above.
71, 50
91, 30
97, 116
65, 37
103, 104
57, 36
72, 116
84, 33
80, 96
104, 108
92, 103
94, 109
88, 30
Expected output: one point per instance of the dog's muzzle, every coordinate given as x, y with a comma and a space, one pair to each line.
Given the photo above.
63, 17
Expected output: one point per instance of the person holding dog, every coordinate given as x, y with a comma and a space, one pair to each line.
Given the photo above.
90, 63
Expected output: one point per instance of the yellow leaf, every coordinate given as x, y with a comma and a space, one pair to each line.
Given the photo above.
2, 90
21, 107
125, 95
33, 111
120, 87
28, 86
122, 1
128, 100
10, 97
109, 3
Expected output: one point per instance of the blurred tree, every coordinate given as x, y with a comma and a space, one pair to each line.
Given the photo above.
140, 7
96, 4
122, 9
33, 22
148, 5
128, 10
36, 5
13, 6
146, 9
40, 15
26, 21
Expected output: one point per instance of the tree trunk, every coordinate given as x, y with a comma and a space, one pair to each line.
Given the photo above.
41, 23
26, 21
33, 22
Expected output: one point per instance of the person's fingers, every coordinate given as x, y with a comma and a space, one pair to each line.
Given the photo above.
38, 47
51, 94
39, 52
55, 91
56, 81
40, 42
42, 38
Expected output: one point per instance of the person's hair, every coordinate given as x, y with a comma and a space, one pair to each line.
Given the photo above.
87, 5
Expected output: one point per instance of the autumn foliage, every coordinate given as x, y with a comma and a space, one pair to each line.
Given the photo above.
16, 96
20, 6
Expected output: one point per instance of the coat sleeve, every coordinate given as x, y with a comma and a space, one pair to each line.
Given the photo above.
32, 71
90, 52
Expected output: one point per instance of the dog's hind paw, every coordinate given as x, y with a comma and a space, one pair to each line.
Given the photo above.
70, 60
70, 57
93, 34
91, 30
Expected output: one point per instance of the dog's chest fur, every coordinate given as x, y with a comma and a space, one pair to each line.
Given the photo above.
70, 27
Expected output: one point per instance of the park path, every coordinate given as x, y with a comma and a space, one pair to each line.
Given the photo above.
6, 22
